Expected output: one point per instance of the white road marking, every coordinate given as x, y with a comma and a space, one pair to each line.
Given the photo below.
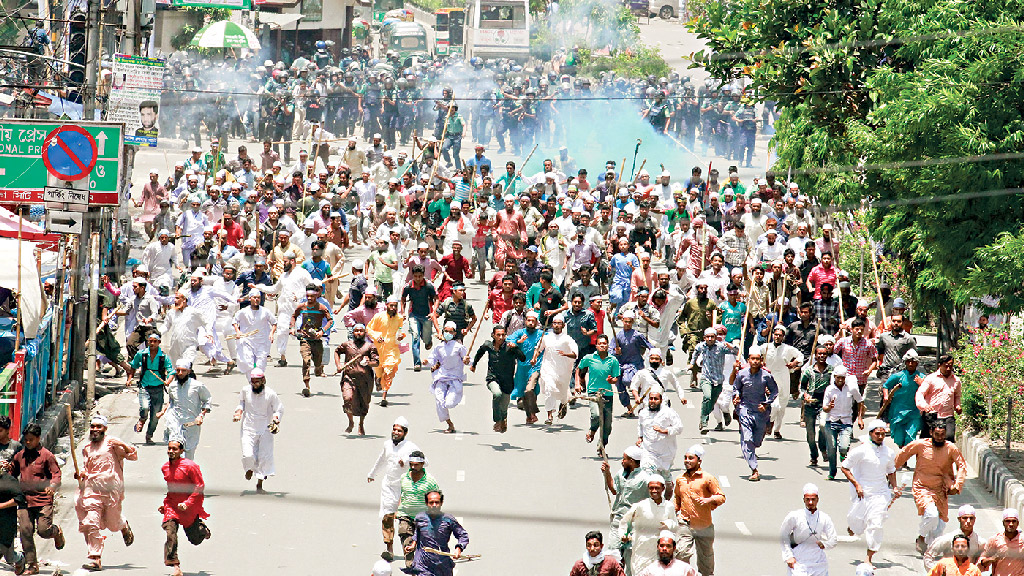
743, 528
723, 481
460, 476
847, 538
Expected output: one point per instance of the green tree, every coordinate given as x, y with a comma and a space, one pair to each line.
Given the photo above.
894, 102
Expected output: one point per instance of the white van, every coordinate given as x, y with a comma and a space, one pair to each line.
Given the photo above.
665, 9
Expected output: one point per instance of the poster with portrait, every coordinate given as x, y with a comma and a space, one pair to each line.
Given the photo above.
135, 88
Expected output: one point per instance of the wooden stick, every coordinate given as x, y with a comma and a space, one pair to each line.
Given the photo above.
878, 287
466, 557
241, 335
483, 315
351, 362
71, 437
437, 159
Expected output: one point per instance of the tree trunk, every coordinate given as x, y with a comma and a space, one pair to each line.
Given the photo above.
949, 328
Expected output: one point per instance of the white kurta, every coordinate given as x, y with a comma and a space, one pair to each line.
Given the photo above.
392, 463
643, 523
291, 290
184, 404
661, 336
663, 377
157, 257
675, 568
870, 465
181, 333
446, 382
806, 530
226, 310
658, 450
258, 411
252, 350
776, 358
555, 369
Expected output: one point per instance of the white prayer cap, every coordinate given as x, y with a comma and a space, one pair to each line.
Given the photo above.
840, 371
826, 339
370, 291
710, 332
533, 314
308, 223
697, 450
652, 477
182, 364
656, 389
289, 255
779, 328
910, 355
666, 174
163, 232
877, 423
558, 318
702, 282
508, 197
643, 173
249, 242
633, 452
393, 299
255, 293
423, 246
681, 263
755, 350
667, 534
655, 352
965, 510
448, 324
865, 569
401, 421
382, 568
196, 275
357, 264
1011, 513
811, 489
629, 314
99, 419
154, 171
256, 373
862, 303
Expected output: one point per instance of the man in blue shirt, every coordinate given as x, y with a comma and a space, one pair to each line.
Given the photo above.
710, 354
754, 390
527, 373
479, 160
630, 346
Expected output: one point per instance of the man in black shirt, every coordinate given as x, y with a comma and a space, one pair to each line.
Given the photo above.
418, 297
550, 301
455, 309
802, 333
501, 373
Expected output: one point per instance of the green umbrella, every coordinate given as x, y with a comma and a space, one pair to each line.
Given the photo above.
225, 34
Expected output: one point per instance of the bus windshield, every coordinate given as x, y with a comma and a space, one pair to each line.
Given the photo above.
502, 16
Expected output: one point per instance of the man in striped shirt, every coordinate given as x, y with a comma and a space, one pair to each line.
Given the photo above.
416, 483
711, 355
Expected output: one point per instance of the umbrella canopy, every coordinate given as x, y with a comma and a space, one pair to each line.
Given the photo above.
225, 34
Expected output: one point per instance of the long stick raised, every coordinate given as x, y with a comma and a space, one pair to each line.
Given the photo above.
71, 437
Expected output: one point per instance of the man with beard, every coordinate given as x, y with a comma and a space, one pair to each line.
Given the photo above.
510, 232
501, 370
39, 475
710, 354
641, 525
805, 535
291, 289
254, 330
870, 469
667, 563
181, 327
155, 369
556, 368
446, 363
316, 320
754, 390
696, 316
784, 362
384, 329
392, 462
226, 311
259, 409
596, 562
188, 401
357, 377
697, 494
434, 529
158, 257
183, 505
101, 490
657, 428
190, 226
939, 472
526, 339
629, 487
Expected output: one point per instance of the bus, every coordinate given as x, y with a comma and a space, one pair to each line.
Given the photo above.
498, 29
381, 7
449, 31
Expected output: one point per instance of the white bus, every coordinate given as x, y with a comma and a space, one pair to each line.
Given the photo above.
498, 29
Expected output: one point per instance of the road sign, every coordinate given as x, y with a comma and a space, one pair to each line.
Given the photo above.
65, 195
70, 152
64, 222
24, 175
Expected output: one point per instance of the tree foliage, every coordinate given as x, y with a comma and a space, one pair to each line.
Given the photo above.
910, 105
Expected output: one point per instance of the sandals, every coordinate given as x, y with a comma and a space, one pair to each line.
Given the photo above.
138, 426
128, 535
93, 566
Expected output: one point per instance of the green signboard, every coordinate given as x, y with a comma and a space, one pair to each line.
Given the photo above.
23, 172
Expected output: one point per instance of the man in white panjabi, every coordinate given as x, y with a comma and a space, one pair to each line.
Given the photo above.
781, 360
871, 470
226, 285
657, 428
643, 523
391, 464
291, 291
667, 564
560, 352
260, 411
252, 349
181, 330
447, 366
805, 535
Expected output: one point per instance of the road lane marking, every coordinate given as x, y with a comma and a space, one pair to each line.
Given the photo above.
723, 481
743, 529
460, 476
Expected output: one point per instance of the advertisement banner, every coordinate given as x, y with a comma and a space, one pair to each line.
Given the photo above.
135, 98
503, 37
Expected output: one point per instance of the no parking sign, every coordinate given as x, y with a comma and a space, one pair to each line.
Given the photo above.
69, 153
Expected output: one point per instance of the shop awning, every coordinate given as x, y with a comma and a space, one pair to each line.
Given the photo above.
279, 20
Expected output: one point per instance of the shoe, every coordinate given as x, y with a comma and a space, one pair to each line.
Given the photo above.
919, 545
149, 440
778, 435
814, 462
417, 368
755, 476
19, 566
229, 368
387, 556
832, 477
384, 403
282, 362
562, 411
703, 430
58, 540
305, 392
728, 418
719, 428
127, 534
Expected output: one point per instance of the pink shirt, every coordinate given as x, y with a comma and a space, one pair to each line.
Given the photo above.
1007, 554
939, 394
820, 275
103, 467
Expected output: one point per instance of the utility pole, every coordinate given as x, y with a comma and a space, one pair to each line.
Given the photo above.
93, 58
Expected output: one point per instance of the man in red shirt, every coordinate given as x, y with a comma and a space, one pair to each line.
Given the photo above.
1004, 553
235, 233
183, 505
37, 470
500, 300
455, 268
823, 273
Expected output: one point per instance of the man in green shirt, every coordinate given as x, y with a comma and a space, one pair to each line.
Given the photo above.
453, 138
603, 372
900, 391
384, 264
510, 182
416, 483
156, 369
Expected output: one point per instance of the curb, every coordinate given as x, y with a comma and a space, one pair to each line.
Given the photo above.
1008, 490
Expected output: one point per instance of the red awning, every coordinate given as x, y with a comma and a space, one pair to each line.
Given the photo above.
29, 231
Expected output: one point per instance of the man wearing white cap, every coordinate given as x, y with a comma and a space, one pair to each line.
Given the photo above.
381, 568
805, 535
899, 396
101, 489
527, 339
1004, 553
942, 547
158, 256
667, 564
181, 329
390, 466
871, 470
447, 363
190, 226
254, 328
642, 524
629, 486
291, 290
259, 410
560, 352
842, 404
697, 494
657, 428
784, 362
655, 374
188, 403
